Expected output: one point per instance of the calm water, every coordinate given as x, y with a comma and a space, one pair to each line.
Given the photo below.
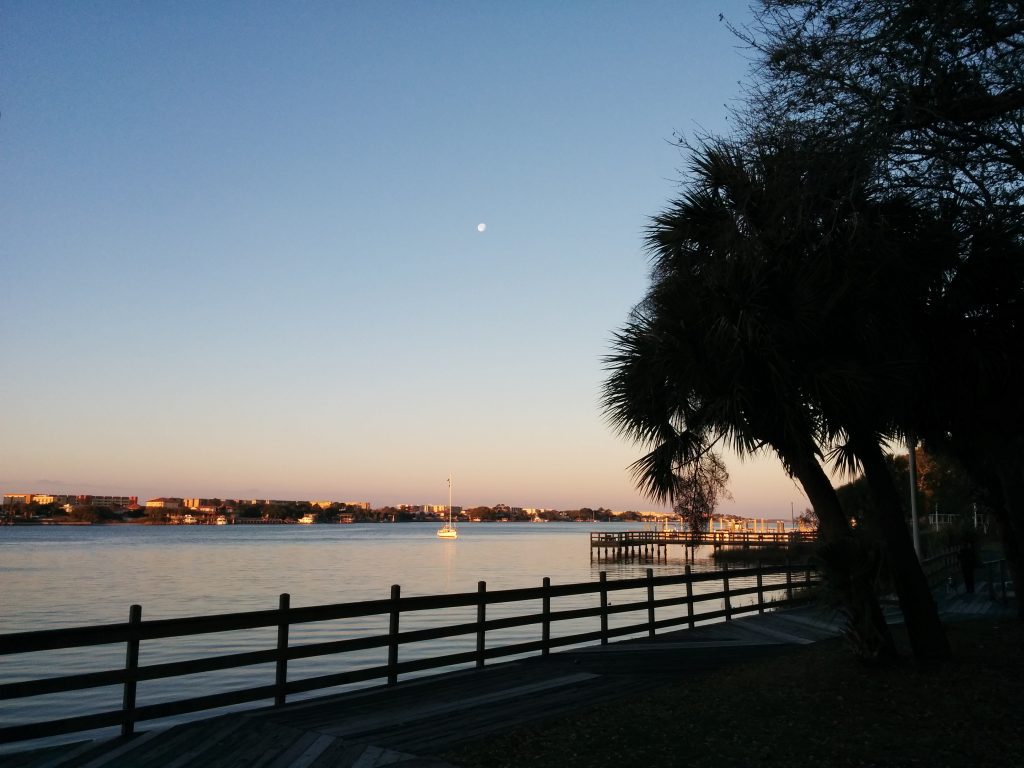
70, 576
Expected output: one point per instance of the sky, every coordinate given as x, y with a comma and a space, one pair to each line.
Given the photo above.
241, 254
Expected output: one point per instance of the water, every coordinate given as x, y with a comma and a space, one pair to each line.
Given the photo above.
72, 576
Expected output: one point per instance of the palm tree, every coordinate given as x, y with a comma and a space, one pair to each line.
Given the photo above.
754, 331
675, 393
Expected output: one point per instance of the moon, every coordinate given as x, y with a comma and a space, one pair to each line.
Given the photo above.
481, 227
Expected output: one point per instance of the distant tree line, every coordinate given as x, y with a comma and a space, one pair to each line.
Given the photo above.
292, 511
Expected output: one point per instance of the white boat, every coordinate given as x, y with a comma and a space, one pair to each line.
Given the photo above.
447, 531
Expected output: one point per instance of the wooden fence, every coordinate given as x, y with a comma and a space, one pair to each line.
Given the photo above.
783, 590
941, 566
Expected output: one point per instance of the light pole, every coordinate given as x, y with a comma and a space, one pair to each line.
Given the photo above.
911, 445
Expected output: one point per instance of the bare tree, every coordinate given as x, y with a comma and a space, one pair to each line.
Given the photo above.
699, 486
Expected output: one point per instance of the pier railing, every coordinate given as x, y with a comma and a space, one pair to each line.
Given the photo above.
773, 586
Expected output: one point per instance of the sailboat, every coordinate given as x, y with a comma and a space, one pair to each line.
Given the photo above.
447, 531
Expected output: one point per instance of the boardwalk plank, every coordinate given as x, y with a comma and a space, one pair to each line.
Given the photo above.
109, 756
283, 739
218, 735
166, 744
400, 712
290, 755
341, 754
368, 759
820, 627
428, 738
762, 632
309, 755
243, 748
50, 757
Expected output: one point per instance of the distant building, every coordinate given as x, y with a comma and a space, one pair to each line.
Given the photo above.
164, 503
201, 503
108, 501
37, 498
70, 499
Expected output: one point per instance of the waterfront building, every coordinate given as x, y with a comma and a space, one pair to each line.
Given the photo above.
108, 501
70, 498
164, 503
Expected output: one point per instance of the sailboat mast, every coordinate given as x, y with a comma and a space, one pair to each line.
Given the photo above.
449, 499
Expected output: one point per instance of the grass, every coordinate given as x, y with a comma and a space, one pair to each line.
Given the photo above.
814, 708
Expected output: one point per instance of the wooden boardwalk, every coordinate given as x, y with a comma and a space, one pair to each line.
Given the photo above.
406, 724
411, 723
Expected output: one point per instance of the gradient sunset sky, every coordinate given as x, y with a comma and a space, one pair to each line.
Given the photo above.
241, 256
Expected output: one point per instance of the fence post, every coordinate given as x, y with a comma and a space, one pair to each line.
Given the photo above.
760, 588
604, 608
789, 581
396, 610
650, 602
725, 582
281, 678
131, 668
545, 631
689, 596
481, 617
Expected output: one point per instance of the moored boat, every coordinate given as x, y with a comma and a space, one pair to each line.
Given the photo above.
447, 531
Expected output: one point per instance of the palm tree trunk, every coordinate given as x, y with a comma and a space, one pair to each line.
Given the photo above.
822, 496
859, 597
924, 629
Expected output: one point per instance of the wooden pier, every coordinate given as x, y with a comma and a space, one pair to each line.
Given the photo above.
616, 545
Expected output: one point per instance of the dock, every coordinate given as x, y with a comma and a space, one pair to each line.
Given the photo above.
617, 545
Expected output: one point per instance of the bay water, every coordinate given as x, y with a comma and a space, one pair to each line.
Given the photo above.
65, 576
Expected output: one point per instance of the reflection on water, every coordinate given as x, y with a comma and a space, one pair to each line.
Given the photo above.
73, 576
448, 550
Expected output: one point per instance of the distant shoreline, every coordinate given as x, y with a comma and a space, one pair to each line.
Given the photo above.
256, 521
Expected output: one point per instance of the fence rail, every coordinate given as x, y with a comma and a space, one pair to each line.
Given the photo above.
136, 631
941, 566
